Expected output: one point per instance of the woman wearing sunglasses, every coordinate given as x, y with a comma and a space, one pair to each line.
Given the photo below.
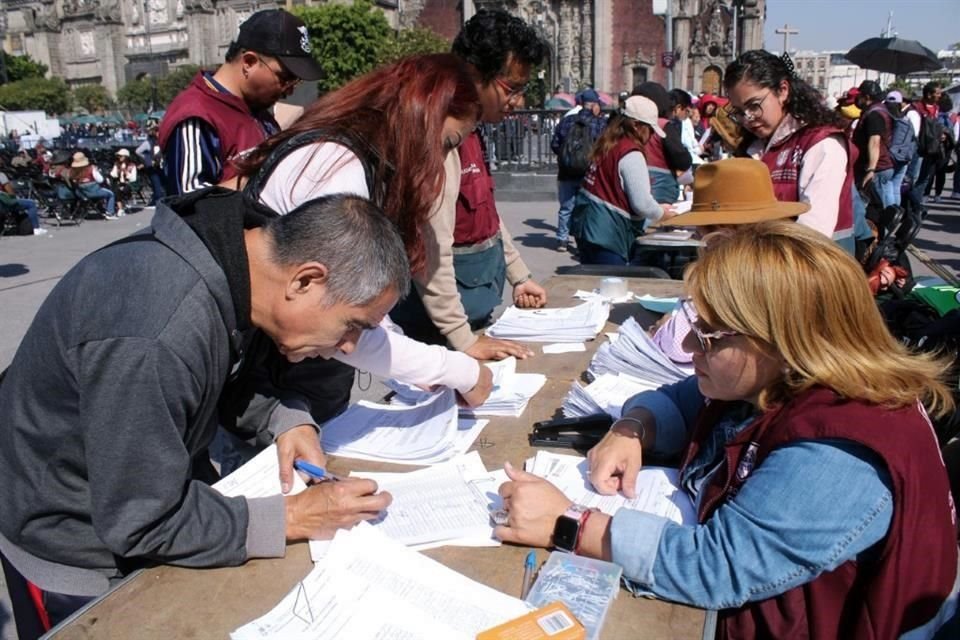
787, 125
823, 505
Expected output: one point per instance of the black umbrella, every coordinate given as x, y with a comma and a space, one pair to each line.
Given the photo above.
894, 55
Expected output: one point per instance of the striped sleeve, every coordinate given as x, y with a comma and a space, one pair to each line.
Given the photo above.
192, 157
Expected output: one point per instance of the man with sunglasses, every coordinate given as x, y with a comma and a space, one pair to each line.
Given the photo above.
220, 115
470, 252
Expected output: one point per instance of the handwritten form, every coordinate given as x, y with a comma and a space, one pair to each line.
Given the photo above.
658, 490
447, 504
371, 587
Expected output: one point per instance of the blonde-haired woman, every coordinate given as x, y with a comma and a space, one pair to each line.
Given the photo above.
615, 200
823, 504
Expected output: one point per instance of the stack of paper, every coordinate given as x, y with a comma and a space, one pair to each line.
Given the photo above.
511, 393
570, 324
258, 478
370, 587
423, 433
658, 490
635, 354
606, 394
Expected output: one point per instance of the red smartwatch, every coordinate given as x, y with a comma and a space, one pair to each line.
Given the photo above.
569, 528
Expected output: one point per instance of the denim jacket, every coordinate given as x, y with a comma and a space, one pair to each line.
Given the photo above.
785, 527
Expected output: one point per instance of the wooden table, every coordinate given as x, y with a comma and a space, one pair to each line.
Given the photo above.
171, 602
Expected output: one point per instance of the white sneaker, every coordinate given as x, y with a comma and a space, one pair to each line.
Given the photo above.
107, 216
40, 232
121, 213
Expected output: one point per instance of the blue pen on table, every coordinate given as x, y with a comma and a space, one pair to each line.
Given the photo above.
529, 565
318, 474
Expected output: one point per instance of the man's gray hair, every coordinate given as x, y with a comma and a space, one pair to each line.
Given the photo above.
353, 238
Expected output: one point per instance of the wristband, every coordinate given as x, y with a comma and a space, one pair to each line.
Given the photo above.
583, 527
523, 279
643, 428
871, 171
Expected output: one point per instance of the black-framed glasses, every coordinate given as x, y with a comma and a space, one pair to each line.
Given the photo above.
284, 77
704, 338
750, 111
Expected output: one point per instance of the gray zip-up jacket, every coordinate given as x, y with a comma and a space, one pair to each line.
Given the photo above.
109, 404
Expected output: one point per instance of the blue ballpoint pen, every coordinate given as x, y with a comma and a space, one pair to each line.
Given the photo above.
318, 474
528, 567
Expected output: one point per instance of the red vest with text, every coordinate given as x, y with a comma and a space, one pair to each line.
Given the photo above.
905, 585
239, 130
477, 217
653, 150
785, 160
603, 176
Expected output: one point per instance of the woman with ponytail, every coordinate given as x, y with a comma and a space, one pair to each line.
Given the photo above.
787, 125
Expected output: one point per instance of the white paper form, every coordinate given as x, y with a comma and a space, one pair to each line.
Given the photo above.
658, 490
569, 324
634, 353
484, 486
258, 478
394, 432
606, 394
369, 585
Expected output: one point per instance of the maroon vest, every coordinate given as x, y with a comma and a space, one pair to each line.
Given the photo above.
239, 130
905, 586
603, 176
477, 217
653, 150
786, 159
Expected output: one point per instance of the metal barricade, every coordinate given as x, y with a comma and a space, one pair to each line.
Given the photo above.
521, 142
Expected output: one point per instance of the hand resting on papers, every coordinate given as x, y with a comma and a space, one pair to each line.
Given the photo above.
486, 348
616, 460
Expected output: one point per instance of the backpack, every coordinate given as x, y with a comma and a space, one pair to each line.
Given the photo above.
574, 158
903, 141
930, 131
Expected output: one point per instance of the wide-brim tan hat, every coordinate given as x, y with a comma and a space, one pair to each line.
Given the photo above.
734, 191
643, 110
79, 160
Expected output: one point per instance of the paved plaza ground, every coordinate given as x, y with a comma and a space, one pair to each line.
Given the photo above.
31, 266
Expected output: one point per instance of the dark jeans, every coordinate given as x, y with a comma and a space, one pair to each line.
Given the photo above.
595, 254
30, 622
928, 168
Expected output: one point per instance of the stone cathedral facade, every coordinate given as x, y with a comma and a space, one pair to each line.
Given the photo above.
609, 44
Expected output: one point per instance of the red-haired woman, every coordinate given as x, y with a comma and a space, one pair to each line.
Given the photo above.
384, 136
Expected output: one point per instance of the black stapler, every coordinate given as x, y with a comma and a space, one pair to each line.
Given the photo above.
571, 433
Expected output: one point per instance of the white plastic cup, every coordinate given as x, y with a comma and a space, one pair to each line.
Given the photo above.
613, 288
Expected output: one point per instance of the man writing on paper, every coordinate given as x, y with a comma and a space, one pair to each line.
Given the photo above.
120, 382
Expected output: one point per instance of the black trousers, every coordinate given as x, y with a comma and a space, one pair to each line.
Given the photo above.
32, 618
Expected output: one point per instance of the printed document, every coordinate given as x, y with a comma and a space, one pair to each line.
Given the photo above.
658, 490
568, 324
370, 587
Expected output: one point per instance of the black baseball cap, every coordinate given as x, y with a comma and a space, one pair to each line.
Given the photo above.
284, 36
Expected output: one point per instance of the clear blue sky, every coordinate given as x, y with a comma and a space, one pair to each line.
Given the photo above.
827, 25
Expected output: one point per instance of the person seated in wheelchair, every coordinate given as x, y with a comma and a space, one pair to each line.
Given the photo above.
124, 175
88, 181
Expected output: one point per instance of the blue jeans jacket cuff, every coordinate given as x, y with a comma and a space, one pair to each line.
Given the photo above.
634, 540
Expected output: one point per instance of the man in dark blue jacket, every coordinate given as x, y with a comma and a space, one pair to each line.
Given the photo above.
573, 142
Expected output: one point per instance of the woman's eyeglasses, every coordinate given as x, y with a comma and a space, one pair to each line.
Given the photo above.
705, 339
750, 112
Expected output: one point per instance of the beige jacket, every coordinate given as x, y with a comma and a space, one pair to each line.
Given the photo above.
437, 285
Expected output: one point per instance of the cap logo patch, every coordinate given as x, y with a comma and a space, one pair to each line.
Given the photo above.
304, 39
